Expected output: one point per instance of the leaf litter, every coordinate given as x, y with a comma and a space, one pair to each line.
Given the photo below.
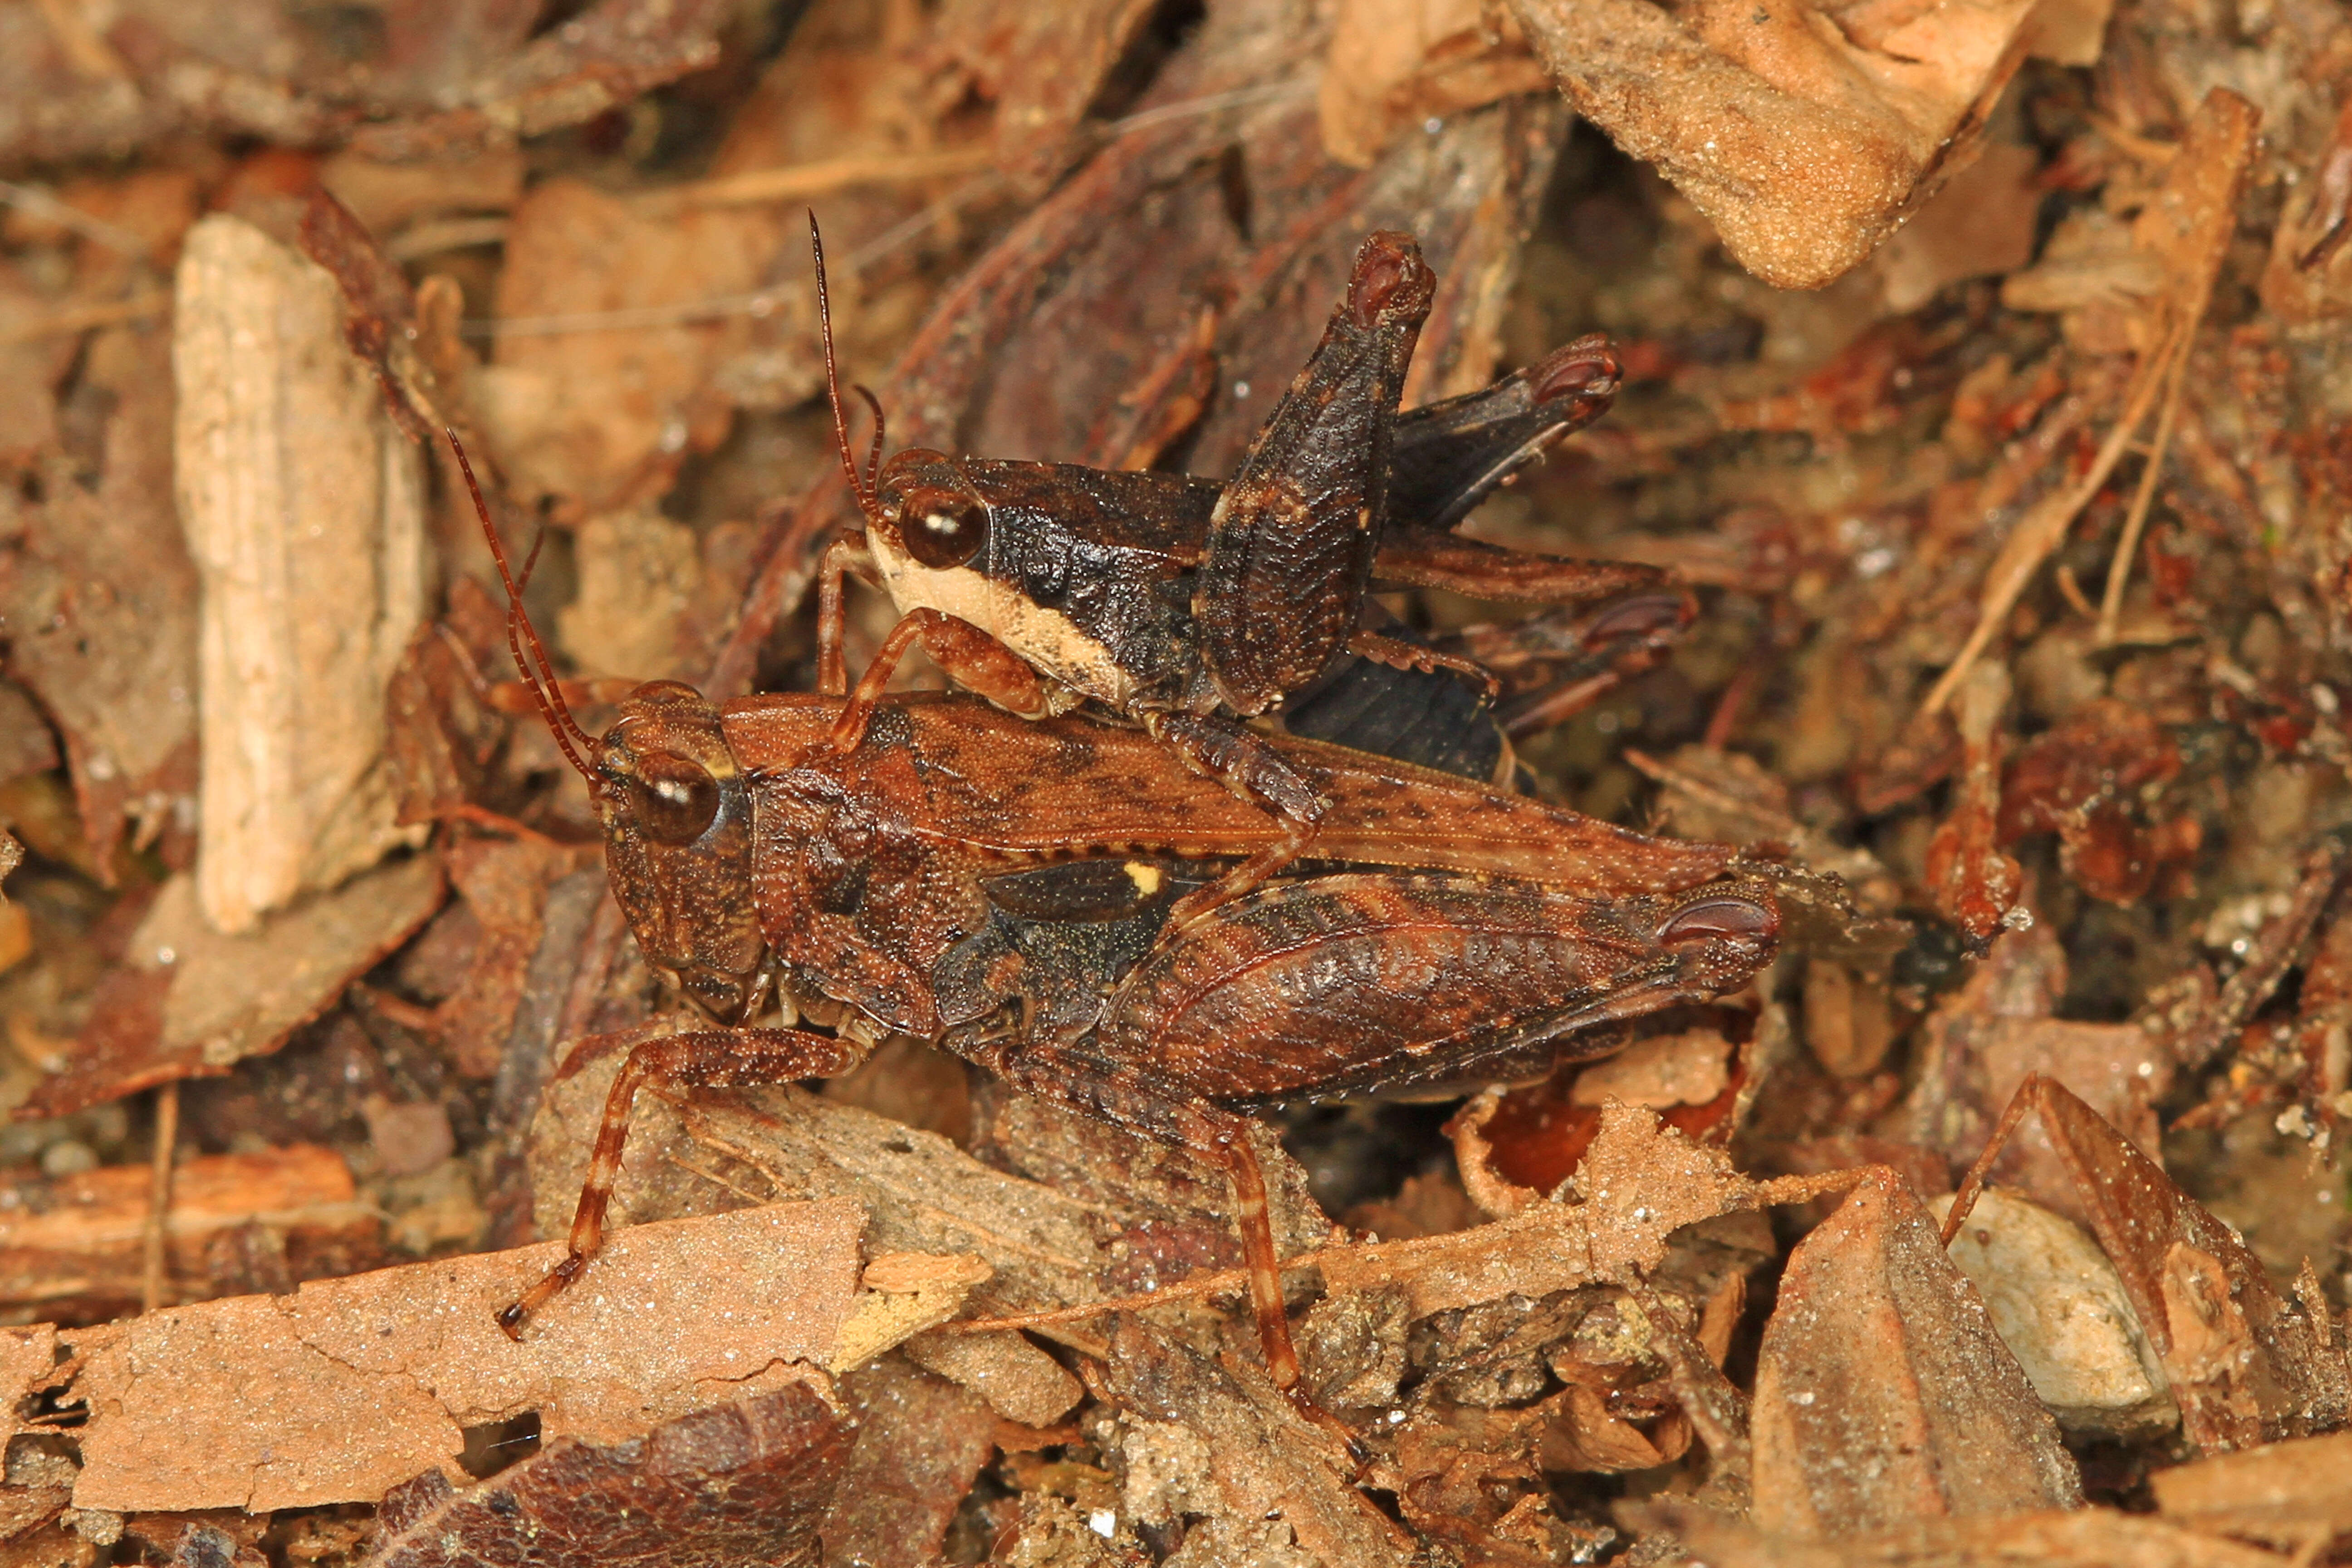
1983, 377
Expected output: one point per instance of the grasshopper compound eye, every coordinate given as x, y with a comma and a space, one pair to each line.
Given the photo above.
675, 797
1720, 919
941, 527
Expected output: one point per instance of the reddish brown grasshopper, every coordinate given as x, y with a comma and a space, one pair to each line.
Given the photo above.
1003, 888
1178, 602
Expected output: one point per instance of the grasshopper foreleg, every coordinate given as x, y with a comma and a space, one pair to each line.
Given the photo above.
707, 1059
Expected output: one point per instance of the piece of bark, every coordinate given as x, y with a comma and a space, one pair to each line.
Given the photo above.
1883, 1394
76, 1244
187, 1000
921, 1442
304, 506
100, 597
1805, 137
739, 1483
2058, 1306
348, 1387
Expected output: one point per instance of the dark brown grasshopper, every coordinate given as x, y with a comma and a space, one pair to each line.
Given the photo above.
1004, 887
1182, 603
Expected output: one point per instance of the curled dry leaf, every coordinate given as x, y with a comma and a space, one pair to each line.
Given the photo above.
1883, 1393
348, 1387
739, 1483
1805, 133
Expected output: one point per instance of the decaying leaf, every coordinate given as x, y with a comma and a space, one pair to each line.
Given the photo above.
920, 1446
189, 1000
1883, 1393
738, 1483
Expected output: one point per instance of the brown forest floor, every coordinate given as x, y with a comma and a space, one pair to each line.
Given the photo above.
2019, 548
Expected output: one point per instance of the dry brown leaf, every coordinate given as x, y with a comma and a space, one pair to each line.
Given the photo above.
349, 1387
1883, 1394
187, 1000
741, 1483
1805, 134
100, 599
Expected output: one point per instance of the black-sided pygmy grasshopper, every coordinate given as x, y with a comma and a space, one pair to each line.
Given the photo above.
1004, 887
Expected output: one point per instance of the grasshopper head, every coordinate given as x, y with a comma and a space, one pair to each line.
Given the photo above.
677, 846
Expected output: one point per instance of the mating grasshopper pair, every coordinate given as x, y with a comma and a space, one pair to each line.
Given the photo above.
1068, 905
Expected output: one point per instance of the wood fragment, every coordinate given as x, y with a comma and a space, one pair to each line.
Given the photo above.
84, 1240
305, 510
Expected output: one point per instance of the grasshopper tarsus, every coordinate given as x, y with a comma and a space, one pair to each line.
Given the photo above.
1398, 654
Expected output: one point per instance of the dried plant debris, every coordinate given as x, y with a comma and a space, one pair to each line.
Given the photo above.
737, 1483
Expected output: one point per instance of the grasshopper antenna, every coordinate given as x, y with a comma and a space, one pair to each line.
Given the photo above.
538, 673
861, 486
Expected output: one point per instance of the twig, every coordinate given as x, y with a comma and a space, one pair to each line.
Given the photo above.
2111, 602
2039, 531
159, 1193
80, 318
798, 181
